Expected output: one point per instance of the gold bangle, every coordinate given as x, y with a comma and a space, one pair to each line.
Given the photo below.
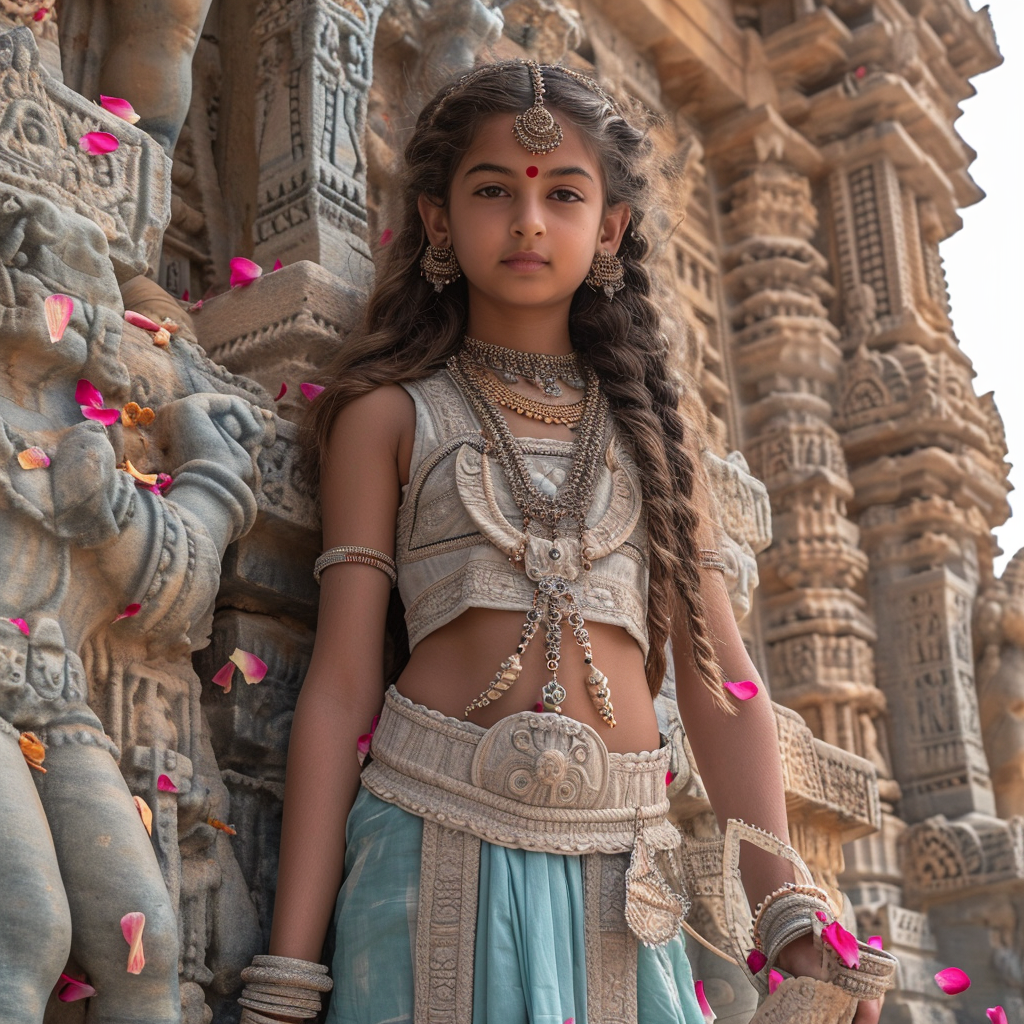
356, 553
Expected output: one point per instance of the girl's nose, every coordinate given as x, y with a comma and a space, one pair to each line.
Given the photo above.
528, 221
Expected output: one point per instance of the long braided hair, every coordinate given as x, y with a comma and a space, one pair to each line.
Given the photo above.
409, 330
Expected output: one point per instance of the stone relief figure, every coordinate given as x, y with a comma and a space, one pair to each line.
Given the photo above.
83, 542
999, 632
137, 49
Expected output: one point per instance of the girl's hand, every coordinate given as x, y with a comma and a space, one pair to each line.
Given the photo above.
800, 957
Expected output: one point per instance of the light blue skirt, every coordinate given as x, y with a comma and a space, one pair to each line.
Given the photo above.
529, 965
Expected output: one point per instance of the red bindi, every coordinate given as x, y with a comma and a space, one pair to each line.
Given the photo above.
532, 172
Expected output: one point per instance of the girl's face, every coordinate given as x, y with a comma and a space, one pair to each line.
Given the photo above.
525, 227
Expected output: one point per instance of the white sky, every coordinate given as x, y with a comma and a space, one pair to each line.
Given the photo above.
985, 260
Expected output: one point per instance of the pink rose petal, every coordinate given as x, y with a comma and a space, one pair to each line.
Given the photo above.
281, 393
743, 690
702, 1002
669, 777
252, 667
774, 981
243, 272
138, 320
162, 484
224, 675
821, 916
996, 1014
184, 295
98, 143
119, 108
875, 941
386, 236
21, 624
39, 15
33, 458
129, 611
71, 989
58, 309
756, 961
952, 981
363, 743
166, 785
538, 707
843, 943
108, 417
196, 306
91, 402
131, 928
277, 265
311, 391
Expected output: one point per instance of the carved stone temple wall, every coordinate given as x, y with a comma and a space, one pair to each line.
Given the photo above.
810, 152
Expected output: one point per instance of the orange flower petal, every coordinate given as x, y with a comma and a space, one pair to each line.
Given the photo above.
227, 829
32, 750
165, 784
223, 676
131, 928
144, 813
119, 108
33, 458
58, 309
162, 338
98, 143
252, 667
130, 610
21, 624
149, 479
169, 325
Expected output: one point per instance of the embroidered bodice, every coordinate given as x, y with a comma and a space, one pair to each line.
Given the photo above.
458, 525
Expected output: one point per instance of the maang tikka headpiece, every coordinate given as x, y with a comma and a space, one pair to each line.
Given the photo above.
535, 129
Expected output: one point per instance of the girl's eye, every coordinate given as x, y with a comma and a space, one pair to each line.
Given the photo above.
490, 189
567, 192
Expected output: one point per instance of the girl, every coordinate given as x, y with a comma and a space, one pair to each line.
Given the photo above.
503, 441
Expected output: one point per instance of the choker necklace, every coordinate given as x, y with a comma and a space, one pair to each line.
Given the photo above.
493, 389
537, 368
553, 599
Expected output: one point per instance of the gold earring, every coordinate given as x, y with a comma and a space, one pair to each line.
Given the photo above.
606, 273
440, 266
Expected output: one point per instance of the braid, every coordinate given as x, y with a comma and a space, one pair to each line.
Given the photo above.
645, 401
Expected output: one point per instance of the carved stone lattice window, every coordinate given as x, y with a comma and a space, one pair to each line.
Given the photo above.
868, 237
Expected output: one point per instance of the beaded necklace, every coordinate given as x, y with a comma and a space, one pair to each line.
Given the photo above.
554, 601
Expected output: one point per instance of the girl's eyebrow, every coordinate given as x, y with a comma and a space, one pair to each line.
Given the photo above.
555, 172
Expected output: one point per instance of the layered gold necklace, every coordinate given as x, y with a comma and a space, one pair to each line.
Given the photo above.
554, 601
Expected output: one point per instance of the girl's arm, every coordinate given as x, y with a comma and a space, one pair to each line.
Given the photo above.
344, 687
739, 759
737, 755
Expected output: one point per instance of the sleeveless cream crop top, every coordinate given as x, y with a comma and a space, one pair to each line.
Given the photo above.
456, 510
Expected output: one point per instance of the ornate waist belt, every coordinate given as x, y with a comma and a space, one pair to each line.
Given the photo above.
532, 781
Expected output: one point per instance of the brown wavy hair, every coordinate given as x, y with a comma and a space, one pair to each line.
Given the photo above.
410, 330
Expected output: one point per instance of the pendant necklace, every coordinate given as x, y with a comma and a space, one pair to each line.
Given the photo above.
554, 601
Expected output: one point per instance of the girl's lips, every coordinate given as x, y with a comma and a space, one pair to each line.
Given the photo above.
525, 264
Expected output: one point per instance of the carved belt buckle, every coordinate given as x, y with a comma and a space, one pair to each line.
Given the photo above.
543, 761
